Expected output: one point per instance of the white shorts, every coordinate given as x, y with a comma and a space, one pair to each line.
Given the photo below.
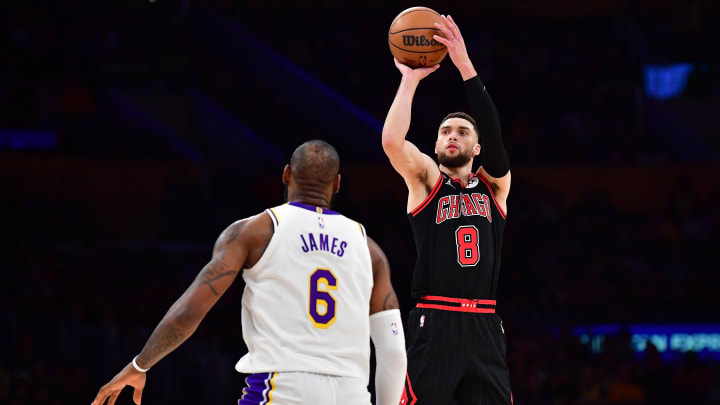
291, 388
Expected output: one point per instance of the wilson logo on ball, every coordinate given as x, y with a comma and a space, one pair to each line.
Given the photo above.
419, 40
411, 37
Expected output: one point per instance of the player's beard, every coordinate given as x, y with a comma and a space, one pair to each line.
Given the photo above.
454, 161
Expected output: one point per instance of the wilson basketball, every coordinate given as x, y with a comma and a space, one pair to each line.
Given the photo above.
411, 37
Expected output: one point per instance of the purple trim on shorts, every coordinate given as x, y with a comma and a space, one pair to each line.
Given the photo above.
313, 208
257, 390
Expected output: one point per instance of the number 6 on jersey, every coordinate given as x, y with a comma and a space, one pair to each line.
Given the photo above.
468, 245
324, 316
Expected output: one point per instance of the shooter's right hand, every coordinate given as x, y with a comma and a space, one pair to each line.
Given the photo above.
416, 74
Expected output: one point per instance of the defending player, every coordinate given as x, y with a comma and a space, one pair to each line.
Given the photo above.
456, 343
317, 288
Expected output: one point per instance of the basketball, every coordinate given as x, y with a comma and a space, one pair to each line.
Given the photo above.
411, 37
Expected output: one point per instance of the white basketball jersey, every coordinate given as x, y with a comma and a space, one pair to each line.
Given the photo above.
306, 302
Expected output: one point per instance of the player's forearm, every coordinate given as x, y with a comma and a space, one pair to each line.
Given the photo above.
188, 311
397, 122
493, 156
388, 337
185, 315
177, 325
467, 70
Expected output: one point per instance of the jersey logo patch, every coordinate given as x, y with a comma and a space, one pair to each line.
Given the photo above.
473, 182
394, 328
449, 182
321, 222
422, 321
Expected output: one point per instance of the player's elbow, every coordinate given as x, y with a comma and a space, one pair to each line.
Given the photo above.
186, 314
185, 318
390, 143
396, 356
389, 342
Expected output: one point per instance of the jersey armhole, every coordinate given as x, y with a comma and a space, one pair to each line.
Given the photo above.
492, 192
267, 252
274, 217
429, 198
362, 230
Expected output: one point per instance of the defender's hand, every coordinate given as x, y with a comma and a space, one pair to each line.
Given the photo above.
456, 46
128, 376
417, 74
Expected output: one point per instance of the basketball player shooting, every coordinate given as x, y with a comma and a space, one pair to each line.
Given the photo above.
316, 290
456, 342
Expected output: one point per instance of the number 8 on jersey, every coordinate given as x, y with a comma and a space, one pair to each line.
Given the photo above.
467, 241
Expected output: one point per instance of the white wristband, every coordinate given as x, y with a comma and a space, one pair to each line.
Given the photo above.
138, 368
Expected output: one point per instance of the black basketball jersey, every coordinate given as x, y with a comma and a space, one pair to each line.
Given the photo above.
458, 235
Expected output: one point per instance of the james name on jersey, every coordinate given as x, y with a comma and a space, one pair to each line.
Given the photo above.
452, 206
322, 242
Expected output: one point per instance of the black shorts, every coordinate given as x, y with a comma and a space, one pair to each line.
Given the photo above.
456, 352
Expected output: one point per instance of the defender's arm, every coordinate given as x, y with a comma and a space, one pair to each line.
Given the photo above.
184, 316
188, 311
386, 332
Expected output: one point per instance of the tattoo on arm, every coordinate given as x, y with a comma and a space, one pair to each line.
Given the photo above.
390, 301
226, 238
182, 319
214, 271
217, 268
163, 340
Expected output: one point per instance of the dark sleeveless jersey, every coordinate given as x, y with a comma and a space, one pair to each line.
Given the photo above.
458, 235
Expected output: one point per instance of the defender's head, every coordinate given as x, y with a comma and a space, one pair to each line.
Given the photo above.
458, 141
313, 171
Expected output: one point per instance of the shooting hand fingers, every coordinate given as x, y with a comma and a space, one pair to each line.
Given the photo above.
446, 32
453, 27
442, 40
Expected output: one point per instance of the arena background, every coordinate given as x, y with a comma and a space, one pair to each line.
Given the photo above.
133, 132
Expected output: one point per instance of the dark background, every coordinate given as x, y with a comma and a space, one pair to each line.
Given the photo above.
132, 133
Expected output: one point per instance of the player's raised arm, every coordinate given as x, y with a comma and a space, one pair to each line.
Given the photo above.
493, 156
405, 157
386, 331
182, 319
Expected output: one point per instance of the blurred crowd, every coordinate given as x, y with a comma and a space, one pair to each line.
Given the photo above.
569, 90
77, 302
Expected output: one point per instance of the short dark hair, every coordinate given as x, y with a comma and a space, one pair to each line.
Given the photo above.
465, 116
315, 162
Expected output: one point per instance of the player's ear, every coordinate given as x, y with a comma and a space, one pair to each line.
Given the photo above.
336, 184
476, 149
286, 174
